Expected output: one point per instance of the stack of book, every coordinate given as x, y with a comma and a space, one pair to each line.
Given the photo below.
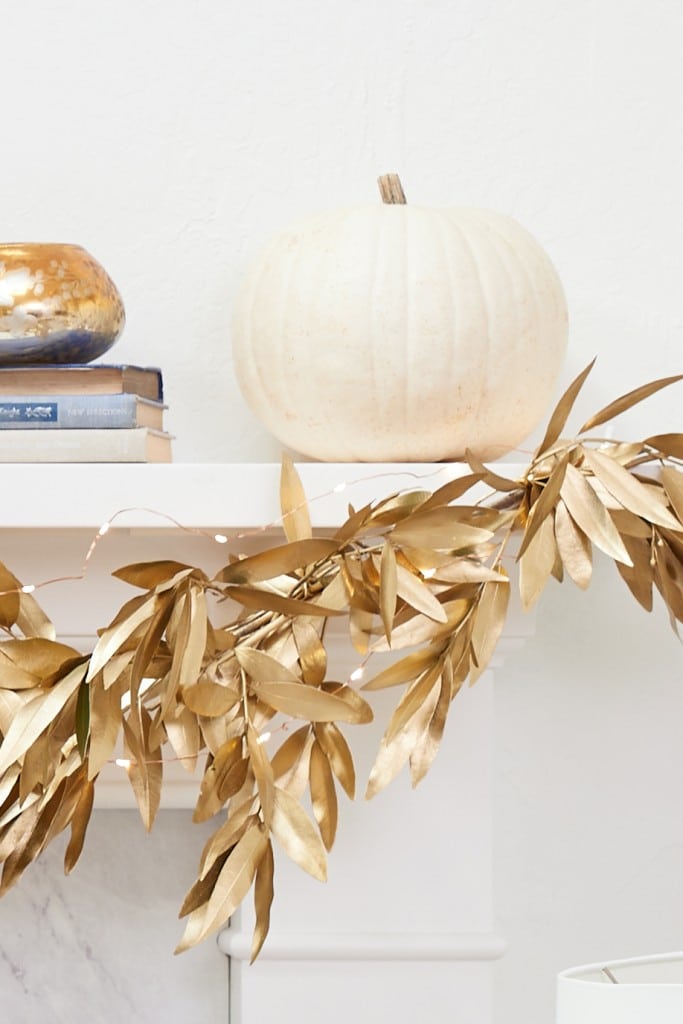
82, 413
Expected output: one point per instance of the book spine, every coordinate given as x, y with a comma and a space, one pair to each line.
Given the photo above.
128, 445
40, 412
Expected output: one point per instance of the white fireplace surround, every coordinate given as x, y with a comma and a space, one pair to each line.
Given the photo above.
411, 874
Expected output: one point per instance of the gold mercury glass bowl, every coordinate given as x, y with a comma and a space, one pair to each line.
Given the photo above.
57, 305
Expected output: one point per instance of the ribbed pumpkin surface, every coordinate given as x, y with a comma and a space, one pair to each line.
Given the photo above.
400, 333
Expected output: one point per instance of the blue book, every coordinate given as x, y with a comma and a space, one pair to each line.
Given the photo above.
117, 411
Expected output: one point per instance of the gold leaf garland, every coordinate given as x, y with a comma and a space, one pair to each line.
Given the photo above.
417, 572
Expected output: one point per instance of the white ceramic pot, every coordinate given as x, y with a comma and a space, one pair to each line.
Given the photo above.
646, 990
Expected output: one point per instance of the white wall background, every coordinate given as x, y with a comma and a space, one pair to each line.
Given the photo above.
172, 138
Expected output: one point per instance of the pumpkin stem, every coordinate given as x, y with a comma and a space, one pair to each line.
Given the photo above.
391, 189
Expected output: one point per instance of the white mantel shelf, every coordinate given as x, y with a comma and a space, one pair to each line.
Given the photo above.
230, 495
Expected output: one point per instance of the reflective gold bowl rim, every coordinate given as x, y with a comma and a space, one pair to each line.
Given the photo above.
42, 245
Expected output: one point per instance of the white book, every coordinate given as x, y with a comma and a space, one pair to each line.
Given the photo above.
134, 444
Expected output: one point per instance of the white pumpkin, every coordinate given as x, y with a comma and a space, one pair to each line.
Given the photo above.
400, 333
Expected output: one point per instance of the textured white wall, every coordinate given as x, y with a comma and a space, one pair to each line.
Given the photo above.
172, 138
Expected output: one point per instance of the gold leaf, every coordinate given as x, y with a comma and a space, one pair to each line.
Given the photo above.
353, 525
177, 638
220, 639
16, 828
627, 523
338, 754
669, 580
488, 477
32, 620
624, 452
36, 715
56, 807
198, 895
451, 491
79, 825
360, 629
117, 669
263, 772
277, 561
393, 755
405, 670
627, 401
263, 668
232, 885
536, 564
545, 503
115, 636
105, 722
66, 805
574, 547
388, 588
397, 507
10, 702
217, 731
230, 832
264, 600
311, 650
420, 629
36, 769
195, 647
673, 484
289, 752
9, 786
422, 757
301, 701
670, 445
458, 662
12, 677
184, 736
639, 575
590, 514
148, 575
335, 594
231, 768
144, 768
413, 699
561, 412
224, 777
362, 597
37, 660
208, 802
127, 609
294, 777
263, 899
440, 529
17, 839
463, 570
627, 490
488, 625
350, 696
418, 595
295, 518
209, 699
323, 795
10, 588
297, 836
